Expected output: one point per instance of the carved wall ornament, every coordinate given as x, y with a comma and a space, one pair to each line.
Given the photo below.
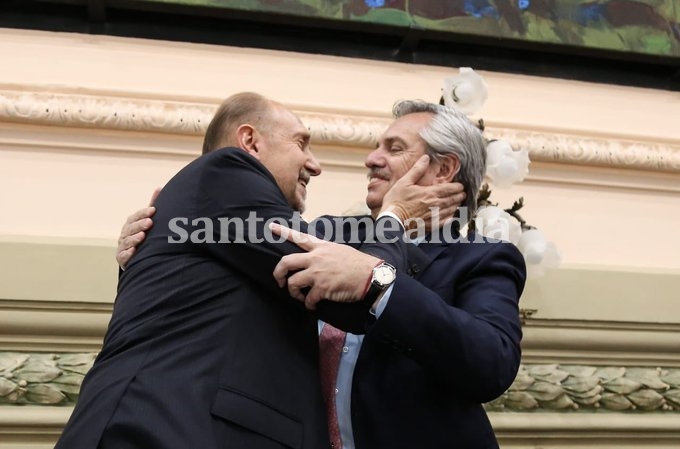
584, 150
55, 379
42, 379
105, 112
351, 130
590, 388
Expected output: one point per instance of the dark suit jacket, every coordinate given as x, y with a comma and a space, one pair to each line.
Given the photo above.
203, 349
448, 341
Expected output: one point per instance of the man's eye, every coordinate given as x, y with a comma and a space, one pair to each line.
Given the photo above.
395, 149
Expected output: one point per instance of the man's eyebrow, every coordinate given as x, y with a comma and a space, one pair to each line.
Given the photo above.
395, 139
306, 137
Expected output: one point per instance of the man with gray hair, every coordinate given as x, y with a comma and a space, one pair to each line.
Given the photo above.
445, 336
452, 141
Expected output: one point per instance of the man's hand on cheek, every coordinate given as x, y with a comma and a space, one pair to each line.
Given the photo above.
433, 204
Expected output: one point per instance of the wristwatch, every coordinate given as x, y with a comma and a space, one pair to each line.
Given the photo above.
382, 277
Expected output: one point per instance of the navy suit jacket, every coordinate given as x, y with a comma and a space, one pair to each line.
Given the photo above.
448, 341
203, 349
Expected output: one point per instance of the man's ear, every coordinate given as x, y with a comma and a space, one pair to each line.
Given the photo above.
246, 139
449, 166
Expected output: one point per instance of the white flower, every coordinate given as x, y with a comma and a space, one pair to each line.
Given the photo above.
495, 223
532, 245
466, 92
505, 166
539, 254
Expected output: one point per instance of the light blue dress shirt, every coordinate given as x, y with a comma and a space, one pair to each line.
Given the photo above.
348, 360
343, 383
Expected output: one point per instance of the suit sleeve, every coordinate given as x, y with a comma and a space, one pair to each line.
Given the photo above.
366, 235
238, 197
472, 345
239, 188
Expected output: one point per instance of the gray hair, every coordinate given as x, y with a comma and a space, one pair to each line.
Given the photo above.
452, 133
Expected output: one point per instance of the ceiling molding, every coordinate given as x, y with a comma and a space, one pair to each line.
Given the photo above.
593, 150
152, 115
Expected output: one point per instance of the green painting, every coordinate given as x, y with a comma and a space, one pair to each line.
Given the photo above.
650, 27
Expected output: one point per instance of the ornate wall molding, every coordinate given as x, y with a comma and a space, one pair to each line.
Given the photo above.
42, 379
55, 379
104, 112
350, 130
590, 151
345, 130
591, 388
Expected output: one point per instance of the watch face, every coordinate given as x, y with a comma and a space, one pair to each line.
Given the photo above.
384, 275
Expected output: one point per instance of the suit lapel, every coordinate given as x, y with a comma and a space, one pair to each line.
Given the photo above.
417, 260
421, 256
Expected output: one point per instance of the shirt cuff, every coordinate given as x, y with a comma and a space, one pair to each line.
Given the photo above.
383, 302
390, 214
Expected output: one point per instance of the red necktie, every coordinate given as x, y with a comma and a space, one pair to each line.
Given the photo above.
331, 341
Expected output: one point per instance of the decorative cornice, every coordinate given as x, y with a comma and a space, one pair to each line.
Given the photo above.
42, 379
346, 130
589, 388
55, 379
104, 112
592, 151
350, 130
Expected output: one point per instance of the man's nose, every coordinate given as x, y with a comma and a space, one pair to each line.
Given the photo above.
374, 159
312, 165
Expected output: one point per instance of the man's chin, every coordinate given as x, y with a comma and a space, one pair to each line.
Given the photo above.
297, 203
301, 205
300, 198
373, 205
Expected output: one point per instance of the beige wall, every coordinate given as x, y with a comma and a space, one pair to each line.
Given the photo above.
90, 125
633, 131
